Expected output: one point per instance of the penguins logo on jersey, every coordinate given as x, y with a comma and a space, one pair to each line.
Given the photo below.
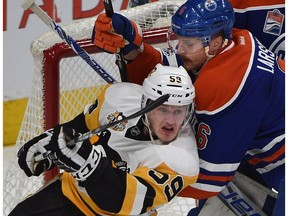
116, 116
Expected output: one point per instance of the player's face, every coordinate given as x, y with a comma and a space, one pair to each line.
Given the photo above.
190, 50
192, 53
166, 121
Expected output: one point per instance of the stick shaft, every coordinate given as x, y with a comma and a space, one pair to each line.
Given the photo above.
120, 60
72, 43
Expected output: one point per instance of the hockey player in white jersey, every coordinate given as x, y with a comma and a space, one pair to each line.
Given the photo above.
131, 168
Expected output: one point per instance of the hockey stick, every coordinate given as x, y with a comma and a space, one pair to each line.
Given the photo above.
69, 40
146, 109
120, 61
91, 133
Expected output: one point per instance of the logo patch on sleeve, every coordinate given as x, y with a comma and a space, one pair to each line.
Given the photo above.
116, 116
274, 22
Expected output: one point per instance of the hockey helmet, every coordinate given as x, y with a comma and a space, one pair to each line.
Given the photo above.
203, 18
173, 81
168, 80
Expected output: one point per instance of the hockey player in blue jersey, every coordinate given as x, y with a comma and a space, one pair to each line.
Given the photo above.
264, 19
239, 83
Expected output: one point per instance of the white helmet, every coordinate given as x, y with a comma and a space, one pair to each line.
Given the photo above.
168, 80
173, 81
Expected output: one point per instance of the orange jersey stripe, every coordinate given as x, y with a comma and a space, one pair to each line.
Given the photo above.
215, 178
255, 161
195, 193
281, 64
130, 195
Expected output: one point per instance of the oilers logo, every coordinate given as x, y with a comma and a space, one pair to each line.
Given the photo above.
116, 116
274, 22
210, 5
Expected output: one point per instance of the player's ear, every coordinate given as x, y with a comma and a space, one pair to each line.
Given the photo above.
216, 43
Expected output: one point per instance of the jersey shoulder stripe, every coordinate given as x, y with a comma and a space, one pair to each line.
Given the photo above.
224, 76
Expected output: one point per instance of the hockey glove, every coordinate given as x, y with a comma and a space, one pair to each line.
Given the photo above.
81, 159
118, 32
30, 157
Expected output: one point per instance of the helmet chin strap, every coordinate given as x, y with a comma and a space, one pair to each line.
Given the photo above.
207, 53
147, 124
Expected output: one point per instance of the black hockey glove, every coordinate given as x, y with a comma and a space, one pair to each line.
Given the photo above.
30, 155
80, 160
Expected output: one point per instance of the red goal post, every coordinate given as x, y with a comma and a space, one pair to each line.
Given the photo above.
63, 84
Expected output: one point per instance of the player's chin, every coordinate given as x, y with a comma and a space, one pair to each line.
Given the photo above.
188, 65
166, 138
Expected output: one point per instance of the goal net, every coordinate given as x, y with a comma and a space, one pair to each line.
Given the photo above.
63, 84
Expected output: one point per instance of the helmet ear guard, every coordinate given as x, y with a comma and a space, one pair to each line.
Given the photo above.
204, 18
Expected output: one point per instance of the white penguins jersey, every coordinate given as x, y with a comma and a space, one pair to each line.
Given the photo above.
140, 175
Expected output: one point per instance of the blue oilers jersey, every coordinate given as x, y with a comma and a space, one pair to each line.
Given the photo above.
241, 113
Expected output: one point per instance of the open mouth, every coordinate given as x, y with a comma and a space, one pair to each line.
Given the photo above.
167, 129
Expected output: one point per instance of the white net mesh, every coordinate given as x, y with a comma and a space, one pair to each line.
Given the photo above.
79, 85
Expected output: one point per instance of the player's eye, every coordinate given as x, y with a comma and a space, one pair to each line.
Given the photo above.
177, 112
163, 110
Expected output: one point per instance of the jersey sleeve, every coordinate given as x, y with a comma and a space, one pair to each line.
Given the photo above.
139, 68
123, 193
